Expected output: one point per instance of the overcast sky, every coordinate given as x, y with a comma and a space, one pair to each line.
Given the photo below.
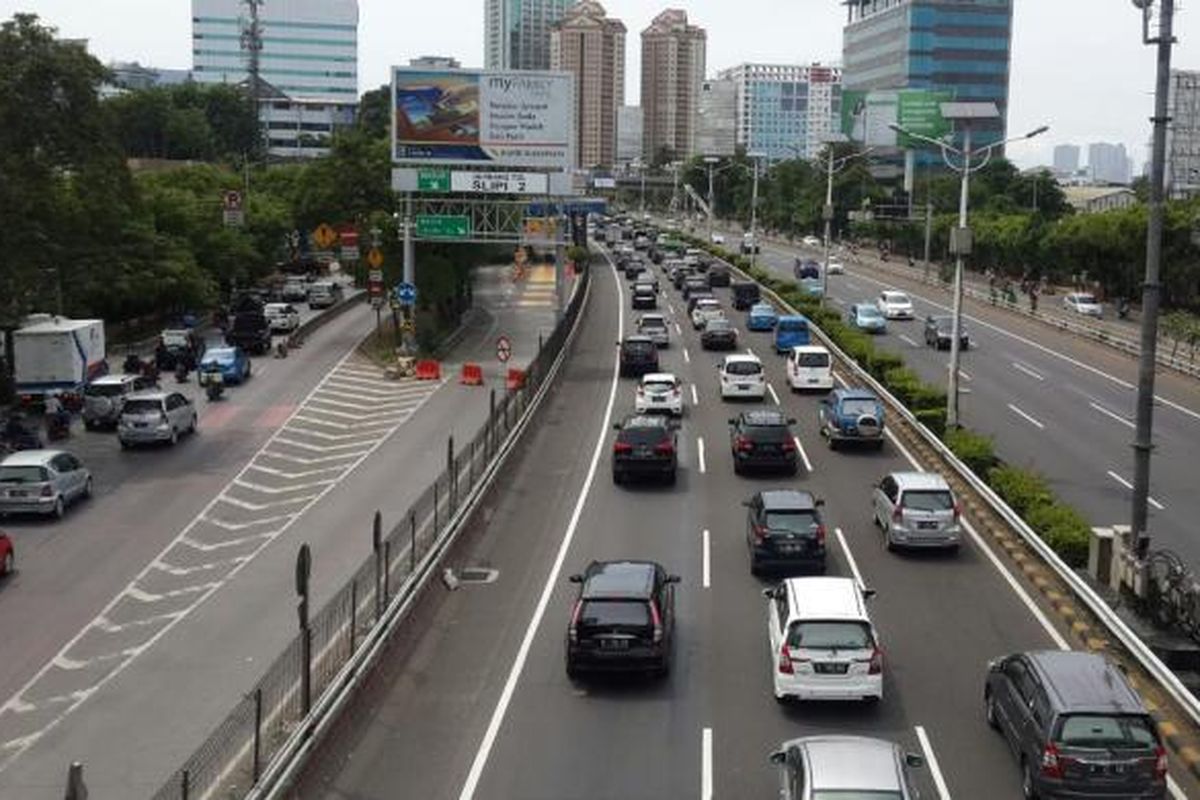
1078, 66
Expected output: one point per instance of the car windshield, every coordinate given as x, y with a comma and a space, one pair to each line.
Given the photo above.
830, 635
856, 794
1105, 730
218, 357
142, 406
743, 368
812, 359
858, 407
896, 298
614, 612
658, 386
762, 310
791, 521
928, 500
104, 390
868, 312
23, 474
1085, 299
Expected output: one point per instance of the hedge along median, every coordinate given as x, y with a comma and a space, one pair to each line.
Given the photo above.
1026, 491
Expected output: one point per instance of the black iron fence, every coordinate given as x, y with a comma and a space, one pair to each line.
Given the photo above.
234, 756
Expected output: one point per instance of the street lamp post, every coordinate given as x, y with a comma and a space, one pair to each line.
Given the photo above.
832, 167
960, 238
754, 213
712, 209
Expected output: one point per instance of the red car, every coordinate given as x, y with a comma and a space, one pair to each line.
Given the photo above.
8, 556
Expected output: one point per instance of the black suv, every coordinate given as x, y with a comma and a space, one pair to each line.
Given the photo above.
694, 285
643, 296
719, 275
763, 439
745, 294
784, 532
639, 355
1076, 726
939, 333
645, 447
623, 619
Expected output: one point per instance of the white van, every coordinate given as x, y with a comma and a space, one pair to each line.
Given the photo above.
742, 376
809, 367
823, 645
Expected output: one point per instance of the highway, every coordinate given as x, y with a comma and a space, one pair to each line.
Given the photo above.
135, 624
473, 700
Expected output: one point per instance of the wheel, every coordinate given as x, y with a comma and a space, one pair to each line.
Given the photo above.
124, 444
617, 477
59, 508
1028, 787
671, 478
88, 425
10, 564
87, 488
737, 466
887, 540
783, 699
878, 445
192, 425
989, 711
174, 437
572, 671
833, 443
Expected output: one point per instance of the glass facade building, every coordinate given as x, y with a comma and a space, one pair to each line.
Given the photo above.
785, 110
517, 32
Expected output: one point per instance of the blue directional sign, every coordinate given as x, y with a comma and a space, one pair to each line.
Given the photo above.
405, 293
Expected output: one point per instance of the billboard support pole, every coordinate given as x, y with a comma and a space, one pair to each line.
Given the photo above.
410, 271
560, 259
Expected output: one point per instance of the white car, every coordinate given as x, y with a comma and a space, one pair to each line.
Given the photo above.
1084, 303
809, 367
836, 268
660, 391
894, 305
282, 317
742, 376
705, 310
811, 241
718, 238
823, 645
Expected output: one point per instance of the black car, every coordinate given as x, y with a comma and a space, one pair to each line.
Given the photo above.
623, 619
645, 448
784, 532
806, 268
763, 440
680, 274
939, 333
696, 298
639, 355
643, 295
633, 268
719, 275
745, 294
694, 285
719, 334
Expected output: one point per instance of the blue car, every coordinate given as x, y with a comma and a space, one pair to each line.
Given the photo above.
762, 317
813, 287
791, 331
232, 361
866, 317
851, 415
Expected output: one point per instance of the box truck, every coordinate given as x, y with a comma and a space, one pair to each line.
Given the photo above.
56, 355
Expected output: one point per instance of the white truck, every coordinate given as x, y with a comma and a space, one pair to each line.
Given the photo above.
57, 356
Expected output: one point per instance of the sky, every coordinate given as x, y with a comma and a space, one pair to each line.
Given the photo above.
1078, 66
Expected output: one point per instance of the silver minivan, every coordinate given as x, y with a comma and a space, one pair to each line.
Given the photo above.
845, 766
42, 482
104, 398
917, 509
152, 417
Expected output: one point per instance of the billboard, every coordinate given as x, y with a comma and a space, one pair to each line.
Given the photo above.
480, 118
866, 115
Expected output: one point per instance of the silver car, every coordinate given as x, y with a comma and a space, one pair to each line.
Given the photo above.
917, 509
157, 416
104, 398
820, 767
42, 482
655, 326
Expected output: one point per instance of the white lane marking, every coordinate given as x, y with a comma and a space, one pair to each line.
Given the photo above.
853, 286
803, 453
1026, 417
1129, 486
706, 765
1019, 367
858, 578
687, 356
774, 396
518, 665
750, 353
671, 306
700, 453
935, 770
962, 373
908, 341
1114, 415
695, 396
678, 330
706, 561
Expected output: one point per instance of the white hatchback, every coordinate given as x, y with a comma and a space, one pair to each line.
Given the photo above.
659, 391
1084, 303
809, 367
742, 376
282, 317
704, 311
894, 305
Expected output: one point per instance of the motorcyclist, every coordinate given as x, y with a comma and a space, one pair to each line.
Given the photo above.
58, 419
212, 380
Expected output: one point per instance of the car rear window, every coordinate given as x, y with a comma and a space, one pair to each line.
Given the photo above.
830, 635
797, 521
1085, 298
640, 347
653, 322
856, 794
658, 386
812, 359
614, 612
143, 406
743, 368
786, 324
858, 408
23, 474
1106, 730
642, 434
928, 500
868, 312
104, 390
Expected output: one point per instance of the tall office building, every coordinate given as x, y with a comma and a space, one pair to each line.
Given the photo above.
517, 32
716, 118
786, 110
1109, 163
629, 135
961, 46
1183, 138
435, 62
308, 65
591, 46
673, 65
1066, 159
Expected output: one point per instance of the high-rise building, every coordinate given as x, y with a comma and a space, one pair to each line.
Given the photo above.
961, 46
673, 65
517, 32
629, 135
786, 110
1066, 159
308, 65
435, 62
716, 118
1109, 163
591, 46
1183, 137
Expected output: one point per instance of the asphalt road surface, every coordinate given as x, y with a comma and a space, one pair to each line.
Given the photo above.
474, 701
136, 623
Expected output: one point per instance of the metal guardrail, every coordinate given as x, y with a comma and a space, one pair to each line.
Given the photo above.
261, 745
1095, 604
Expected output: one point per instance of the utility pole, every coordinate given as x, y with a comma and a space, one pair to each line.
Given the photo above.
1152, 288
712, 207
754, 217
827, 213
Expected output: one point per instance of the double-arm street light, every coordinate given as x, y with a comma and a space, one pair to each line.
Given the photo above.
964, 114
832, 167
712, 161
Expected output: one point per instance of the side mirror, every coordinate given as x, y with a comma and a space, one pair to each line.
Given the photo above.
769, 592
912, 759
732, 421
819, 502
778, 757
868, 593
672, 579
616, 426
791, 421
576, 578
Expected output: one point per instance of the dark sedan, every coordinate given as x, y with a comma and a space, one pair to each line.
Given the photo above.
939, 333
719, 334
645, 448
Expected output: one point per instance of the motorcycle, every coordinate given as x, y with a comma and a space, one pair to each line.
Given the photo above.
181, 372
58, 426
1123, 309
214, 384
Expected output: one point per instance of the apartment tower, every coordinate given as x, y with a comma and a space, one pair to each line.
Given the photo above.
591, 46
673, 63
517, 32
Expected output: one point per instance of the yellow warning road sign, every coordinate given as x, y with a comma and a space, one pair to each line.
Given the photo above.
324, 236
375, 258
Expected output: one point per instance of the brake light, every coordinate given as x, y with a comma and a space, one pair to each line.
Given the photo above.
641, 392
789, 445
47, 491
898, 514
1160, 762
742, 444
875, 666
759, 531
665, 448
957, 511
573, 630
622, 447
821, 534
785, 660
1051, 767
656, 618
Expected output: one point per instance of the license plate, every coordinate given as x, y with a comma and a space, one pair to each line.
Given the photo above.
742, 387
831, 669
17, 493
927, 526
814, 380
614, 644
141, 424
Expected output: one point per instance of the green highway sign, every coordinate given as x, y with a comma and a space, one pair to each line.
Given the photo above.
431, 226
433, 180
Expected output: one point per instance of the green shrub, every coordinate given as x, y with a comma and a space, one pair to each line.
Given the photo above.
932, 418
902, 382
885, 361
1022, 489
973, 449
1064, 529
928, 397
858, 347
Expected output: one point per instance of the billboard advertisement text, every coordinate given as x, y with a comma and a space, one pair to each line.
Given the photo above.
867, 115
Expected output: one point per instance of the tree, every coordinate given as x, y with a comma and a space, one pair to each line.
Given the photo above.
374, 112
